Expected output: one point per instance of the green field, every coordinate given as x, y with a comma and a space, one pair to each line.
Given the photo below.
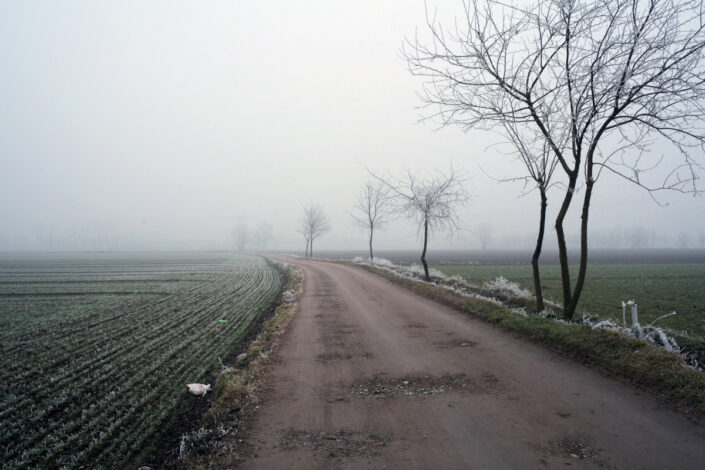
658, 289
97, 349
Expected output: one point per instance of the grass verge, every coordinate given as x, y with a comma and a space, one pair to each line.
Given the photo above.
237, 389
639, 362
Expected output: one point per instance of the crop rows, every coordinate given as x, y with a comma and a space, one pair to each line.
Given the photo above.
88, 379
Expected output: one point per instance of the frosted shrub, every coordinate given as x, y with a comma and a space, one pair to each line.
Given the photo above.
604, 325
383, 262
379, 262
502, 286
650, 333
416, 270
655, 335
288, 297
199, 439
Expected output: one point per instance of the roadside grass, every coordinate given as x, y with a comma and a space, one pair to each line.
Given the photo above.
658, 289
637, 361
237, 389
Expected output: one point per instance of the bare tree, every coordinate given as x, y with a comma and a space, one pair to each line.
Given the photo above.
304, 230
370, 209
262, 235
600, 80
431, 202
241, 236
683, 240
484, 235
540, 163
313, 224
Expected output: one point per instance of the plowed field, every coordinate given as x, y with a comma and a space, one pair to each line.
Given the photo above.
97, 349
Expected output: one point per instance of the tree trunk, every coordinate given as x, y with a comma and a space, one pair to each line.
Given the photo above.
537, 252
562, 250
423, 254
307, 243
371, 255
582, 270
311, 250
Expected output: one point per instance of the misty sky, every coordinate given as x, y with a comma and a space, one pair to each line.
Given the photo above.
161, 124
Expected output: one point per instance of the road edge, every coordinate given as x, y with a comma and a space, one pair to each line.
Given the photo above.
238, 390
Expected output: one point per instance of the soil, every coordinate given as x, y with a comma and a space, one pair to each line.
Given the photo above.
371, 375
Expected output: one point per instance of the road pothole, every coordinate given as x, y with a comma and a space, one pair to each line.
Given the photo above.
576, 448
345, 330
428, 385
454, 343
341, 356
343, 443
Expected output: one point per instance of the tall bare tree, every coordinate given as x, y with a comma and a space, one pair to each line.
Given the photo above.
600, 80
539, 162
430, 201
313, 224
370, 210
303, 230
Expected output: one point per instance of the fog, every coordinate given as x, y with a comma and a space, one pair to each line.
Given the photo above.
164, 125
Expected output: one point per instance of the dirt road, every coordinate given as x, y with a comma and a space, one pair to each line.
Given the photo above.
373, 376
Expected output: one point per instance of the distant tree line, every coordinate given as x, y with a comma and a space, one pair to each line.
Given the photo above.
258, 239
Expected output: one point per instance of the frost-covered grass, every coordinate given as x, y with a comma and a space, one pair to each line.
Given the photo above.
499, 290
411, 271
97, 349
594, 342
501, 285
658, 289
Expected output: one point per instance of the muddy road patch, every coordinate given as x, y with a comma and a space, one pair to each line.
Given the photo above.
343, 443
380, 387
333, 356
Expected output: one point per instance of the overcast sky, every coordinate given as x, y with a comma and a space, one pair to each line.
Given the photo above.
161, 124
